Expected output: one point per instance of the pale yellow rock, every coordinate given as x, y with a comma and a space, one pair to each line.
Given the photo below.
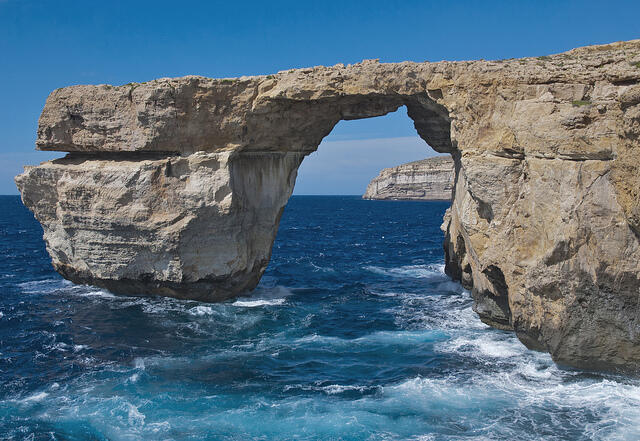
199, 226
427, 180
176, 186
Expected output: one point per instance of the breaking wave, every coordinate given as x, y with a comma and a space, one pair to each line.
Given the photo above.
411, 271
366, 341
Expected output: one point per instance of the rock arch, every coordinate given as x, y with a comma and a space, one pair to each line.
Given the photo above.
176, 186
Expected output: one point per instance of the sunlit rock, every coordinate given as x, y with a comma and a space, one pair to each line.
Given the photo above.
428, 180
176, 186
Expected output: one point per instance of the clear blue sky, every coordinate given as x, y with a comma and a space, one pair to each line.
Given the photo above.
49, 44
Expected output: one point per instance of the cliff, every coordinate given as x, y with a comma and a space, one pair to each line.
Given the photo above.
176, 186
428, 179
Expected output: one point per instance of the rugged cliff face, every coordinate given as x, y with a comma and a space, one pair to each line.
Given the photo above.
429, 179
176, 186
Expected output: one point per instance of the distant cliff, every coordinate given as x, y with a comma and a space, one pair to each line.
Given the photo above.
428, 179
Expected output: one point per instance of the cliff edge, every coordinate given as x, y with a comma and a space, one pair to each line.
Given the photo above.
429, 179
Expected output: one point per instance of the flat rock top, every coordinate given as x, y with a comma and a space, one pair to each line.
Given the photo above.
195, 113
435, 163
426, 179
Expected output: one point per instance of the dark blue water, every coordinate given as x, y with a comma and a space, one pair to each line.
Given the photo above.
355, 333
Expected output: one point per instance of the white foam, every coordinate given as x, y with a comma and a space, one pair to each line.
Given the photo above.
388, 294
397, 338
428, 437
483, 346
151, 307
162, 426
64, 347
162, 305
451, 311
45, 286
35, 397
533, 382
450, 286
135, 417
410, 271
265, 297
426, 395
254, 303
334, 389
139, 363
201, 310
537, 371
98, 293
88, 361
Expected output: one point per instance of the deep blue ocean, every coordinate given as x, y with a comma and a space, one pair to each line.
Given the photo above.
355, 333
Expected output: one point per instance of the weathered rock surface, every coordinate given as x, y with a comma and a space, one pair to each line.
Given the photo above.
162, 225
427, 180
176, 186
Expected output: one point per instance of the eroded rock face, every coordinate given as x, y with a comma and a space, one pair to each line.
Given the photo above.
427, 180
175, 186
198, 227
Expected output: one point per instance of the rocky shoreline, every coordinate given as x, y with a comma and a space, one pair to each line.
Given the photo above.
176, 186
429, 179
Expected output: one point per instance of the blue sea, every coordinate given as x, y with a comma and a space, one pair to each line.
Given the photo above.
355, 333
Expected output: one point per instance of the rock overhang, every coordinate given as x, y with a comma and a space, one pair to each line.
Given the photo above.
543, 213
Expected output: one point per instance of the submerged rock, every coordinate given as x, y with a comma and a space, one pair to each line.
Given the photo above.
176, 186
428, 180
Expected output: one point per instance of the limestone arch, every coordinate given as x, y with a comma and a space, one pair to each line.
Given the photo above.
173, 187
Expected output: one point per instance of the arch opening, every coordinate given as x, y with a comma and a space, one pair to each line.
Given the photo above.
364, 142
356, 151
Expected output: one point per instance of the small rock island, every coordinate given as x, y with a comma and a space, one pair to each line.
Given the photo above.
175, 187
429, 179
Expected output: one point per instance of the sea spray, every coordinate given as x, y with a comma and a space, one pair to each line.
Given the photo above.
382, 346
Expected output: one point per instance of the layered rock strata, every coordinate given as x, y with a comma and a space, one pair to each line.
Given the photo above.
427, 180
176, 186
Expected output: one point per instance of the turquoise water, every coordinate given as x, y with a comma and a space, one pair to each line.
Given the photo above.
354, 333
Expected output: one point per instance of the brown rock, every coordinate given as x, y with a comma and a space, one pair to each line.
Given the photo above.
176, 186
